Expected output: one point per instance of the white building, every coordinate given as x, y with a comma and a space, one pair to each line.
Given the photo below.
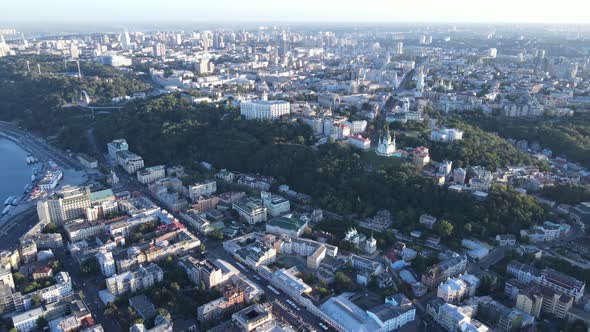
359, 142
50, 180
116, 146
455, 290
106, 263
202, 189
386, 145
275, 205
151, 174
396, 312
446, 135
251, 210
67, 204
264, 109
130, 162
445, 167
133, 281
27, 321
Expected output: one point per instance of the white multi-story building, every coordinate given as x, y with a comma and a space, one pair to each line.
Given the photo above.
340, 131
523, 272
130, 162
275, 205
251, 210
446, 135
54, 293
151, 174
202, 189
106, 263
359, 142
27, 321
357, 126
264, 109
66, 204
133, 281
454, 290
562, 283
396, 312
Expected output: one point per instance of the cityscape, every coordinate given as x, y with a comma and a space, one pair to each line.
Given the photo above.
284, 172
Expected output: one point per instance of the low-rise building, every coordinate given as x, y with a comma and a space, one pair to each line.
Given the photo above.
291, 225
252, 317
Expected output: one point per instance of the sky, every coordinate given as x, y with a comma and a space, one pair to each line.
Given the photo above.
291, 11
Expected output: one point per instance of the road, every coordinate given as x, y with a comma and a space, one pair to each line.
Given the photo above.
13, 228
38, 148
89, 287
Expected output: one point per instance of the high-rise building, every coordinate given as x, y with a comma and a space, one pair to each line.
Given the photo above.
399, 48
67, 204
159, 50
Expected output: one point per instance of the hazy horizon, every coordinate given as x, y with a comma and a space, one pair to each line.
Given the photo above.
69, 12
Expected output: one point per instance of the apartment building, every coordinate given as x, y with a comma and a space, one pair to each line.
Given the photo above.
202, 189
130, 162
133, 281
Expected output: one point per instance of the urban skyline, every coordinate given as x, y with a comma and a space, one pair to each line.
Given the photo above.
331, 11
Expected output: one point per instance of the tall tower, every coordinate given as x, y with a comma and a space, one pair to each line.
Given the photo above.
420, 81
399, 48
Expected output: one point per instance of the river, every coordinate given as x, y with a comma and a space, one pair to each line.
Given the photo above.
15, 174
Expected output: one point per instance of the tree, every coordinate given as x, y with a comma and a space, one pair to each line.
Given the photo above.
445, 228
41, 322
36, 299
468, 227
111, 309
342, 282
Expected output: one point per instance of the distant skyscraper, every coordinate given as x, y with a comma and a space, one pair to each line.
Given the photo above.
399, 48
493, 53
74, 52
126, 40
420, 81
159, 50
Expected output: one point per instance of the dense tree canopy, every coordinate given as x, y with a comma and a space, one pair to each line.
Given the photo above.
168, 130
567, 136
